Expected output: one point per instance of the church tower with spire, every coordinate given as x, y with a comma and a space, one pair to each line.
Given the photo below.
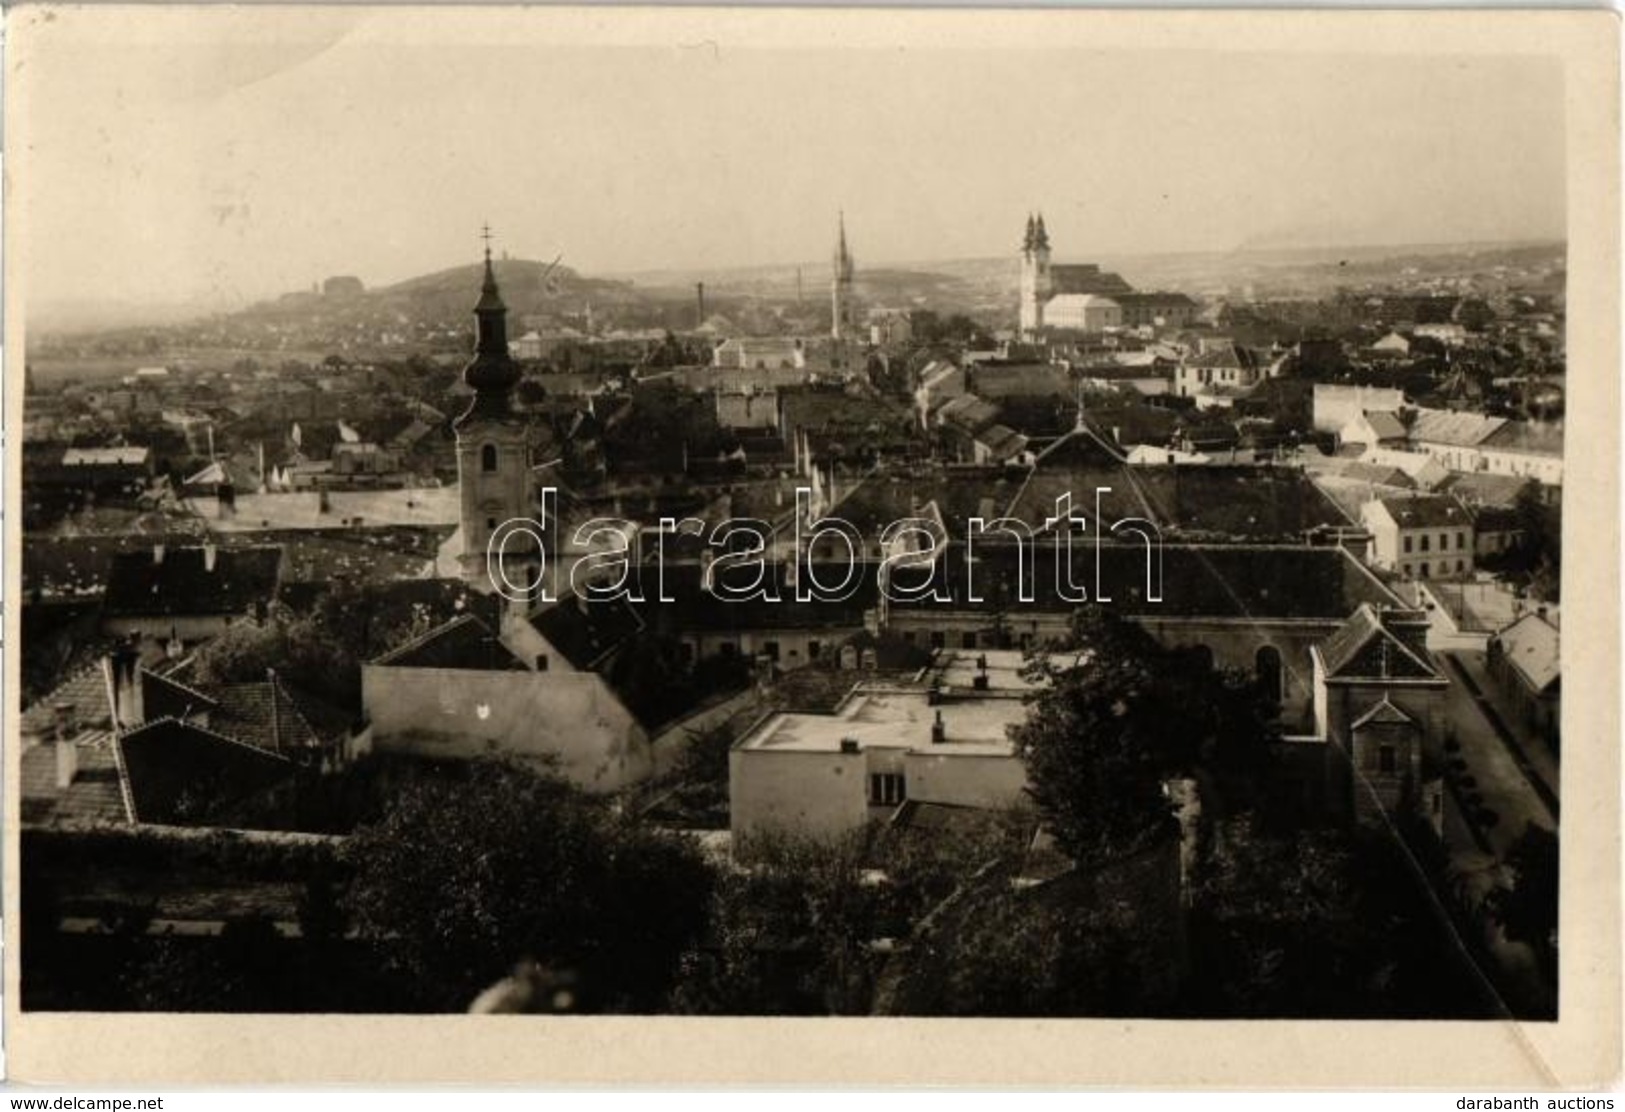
1035, 276
840, 287
493, 464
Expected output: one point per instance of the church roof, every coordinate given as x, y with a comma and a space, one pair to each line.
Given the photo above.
1365, 648
1086, 278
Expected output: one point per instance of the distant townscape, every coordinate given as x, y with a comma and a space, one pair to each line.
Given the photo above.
1258, 719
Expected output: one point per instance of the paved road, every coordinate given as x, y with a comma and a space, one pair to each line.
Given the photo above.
1499, 777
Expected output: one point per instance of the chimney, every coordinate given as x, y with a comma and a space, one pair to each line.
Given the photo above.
158, 554
209, 554
699, 294
67, 762
124, 676
939, 730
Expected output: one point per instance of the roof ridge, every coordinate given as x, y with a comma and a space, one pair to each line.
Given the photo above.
423, 638
217, 735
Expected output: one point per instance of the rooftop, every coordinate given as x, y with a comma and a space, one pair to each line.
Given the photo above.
900, 715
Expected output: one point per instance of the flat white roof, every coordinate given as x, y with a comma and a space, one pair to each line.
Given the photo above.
884, 715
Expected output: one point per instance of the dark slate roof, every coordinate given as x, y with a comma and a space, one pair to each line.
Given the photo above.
141, 585
168, 697
1198, 581
180, 771
1364, 648
1086, 278
465, 642
587, 633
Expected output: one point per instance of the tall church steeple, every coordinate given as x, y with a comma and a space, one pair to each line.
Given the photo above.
1035, 276
841, 285
493, 458
492, 372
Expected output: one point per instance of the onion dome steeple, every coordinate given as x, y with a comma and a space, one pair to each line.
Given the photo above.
492, 372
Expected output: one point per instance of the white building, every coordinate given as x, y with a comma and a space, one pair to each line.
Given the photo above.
939, 738
1420, 536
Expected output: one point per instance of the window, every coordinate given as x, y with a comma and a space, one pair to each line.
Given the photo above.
1386, 761
1425, 539
1461, 565
1461, 540
1444, 542
813, 649
967, 640
1425, 572
1407, 544
885, 789
491, 524
1267, 664
488, 458
771, 649
938, 639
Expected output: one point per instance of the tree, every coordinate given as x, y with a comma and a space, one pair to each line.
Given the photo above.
1117, 716
474, 871
1526, 908
1098, 740
301, 649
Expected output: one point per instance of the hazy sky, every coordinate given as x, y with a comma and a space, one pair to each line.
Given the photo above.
166, 167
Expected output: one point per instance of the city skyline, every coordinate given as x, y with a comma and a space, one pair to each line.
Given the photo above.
166, 177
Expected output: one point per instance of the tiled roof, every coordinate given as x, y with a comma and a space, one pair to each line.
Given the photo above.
93, 796
1459, 429
465, 642
1427, 512
86, 689
1364, 648
1480, 488
585, 633
1387, 426
1531, 645
182, 584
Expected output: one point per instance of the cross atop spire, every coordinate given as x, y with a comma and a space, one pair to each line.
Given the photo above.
485, 234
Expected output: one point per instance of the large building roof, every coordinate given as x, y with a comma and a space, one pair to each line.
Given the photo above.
203, 580
1086, 278
1453, 428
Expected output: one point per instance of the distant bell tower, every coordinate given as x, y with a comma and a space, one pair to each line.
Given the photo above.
1035, 277
840, 287
493, 463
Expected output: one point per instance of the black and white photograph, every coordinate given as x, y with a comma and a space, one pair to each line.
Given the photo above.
565, 515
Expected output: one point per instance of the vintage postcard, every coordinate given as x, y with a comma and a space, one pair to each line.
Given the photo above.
687, 545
